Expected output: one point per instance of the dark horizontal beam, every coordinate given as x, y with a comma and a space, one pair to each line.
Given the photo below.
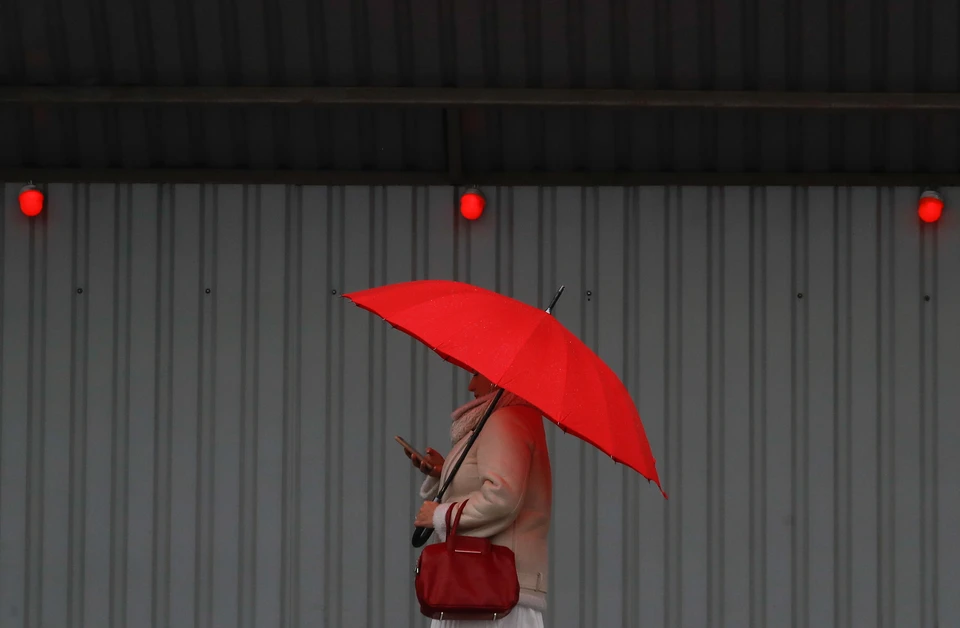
482, 97
540, 178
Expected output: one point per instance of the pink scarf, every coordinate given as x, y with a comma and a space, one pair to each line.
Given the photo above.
466, 417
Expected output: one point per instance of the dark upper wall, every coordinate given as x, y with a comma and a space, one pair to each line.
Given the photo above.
852, 45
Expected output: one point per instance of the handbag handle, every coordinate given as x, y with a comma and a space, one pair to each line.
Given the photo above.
452, 529
447, 517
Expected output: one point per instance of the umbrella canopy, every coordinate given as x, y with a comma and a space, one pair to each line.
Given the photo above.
524, 350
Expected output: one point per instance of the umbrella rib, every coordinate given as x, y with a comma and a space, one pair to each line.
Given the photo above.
613, 440
566, 369
459, 332
595, 373
453, 333
526, 341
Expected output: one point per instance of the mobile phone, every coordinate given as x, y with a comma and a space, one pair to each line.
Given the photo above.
410, 448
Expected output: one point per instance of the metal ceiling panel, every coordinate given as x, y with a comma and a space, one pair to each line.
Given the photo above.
901, 45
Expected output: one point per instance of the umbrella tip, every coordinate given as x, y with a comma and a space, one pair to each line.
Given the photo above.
662, 492
556, 298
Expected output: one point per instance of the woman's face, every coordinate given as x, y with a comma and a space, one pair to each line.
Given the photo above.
480, 386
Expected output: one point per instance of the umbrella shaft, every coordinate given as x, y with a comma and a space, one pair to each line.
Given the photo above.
473, 437
421, 535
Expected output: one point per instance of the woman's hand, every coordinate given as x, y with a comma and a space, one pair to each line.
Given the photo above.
430, 464
425, 516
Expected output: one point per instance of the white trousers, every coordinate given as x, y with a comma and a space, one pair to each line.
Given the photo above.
520, 617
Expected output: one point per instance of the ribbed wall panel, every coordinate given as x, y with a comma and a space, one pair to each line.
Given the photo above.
196, 429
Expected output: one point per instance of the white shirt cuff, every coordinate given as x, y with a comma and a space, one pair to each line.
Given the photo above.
440, 520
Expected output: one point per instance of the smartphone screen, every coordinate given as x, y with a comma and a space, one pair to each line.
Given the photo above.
408, 446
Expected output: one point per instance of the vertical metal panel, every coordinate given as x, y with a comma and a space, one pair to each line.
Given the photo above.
195, 428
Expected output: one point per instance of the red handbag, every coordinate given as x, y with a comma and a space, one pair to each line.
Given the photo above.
466, 578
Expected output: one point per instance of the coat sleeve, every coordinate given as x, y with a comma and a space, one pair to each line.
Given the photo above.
504, 456
429, 488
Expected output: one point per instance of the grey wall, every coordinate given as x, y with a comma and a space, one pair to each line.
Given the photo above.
173, 457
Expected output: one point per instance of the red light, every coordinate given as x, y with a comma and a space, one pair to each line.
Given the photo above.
472, 204
930, 207
31, 200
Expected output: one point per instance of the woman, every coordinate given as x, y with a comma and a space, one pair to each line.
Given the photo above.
506, 480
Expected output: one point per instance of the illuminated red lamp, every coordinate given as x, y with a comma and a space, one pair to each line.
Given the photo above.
930, 207
31, 200
472, 204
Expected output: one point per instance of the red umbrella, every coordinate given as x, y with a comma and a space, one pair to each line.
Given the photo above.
524, 350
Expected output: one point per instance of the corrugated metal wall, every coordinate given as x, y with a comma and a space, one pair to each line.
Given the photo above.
196, 430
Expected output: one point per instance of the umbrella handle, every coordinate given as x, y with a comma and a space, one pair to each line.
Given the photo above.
421, 536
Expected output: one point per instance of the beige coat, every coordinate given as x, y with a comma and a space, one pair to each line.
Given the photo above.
506, 478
